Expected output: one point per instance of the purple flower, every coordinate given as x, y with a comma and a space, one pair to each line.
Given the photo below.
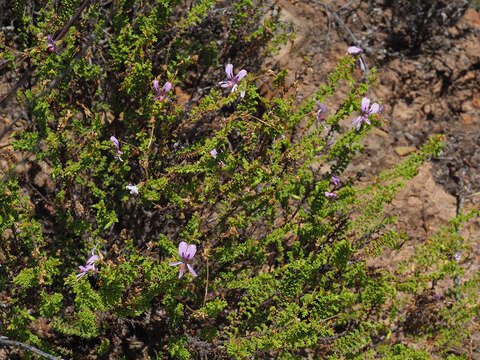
335, 180
51, 46
214, 153
457, 256
161, 94
436, 296
186, 252
133, 189
366, 111
90, 265
321, 110
233, 80
330, 195
115, 142
356, 51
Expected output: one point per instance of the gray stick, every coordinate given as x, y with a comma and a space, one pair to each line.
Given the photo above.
5, 341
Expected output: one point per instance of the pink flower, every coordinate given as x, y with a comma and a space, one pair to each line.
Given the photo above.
51, 46
214, 153
321, 110
133, 189
366, 111
115, 142
90, 265
161, 94
233, 80
186, 252
330, 195
335, 180
356, 51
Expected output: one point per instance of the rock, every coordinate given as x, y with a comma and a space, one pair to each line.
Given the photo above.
427, 109
404, 150
476, 100
472, 18
380, 132
403, 113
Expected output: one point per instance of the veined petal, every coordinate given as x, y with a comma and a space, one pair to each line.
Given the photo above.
191, 250
229, 71
225, 84
234, 88
175, 263
80, 275
241, 75
357, 120
155, 86
374, 109
92, 259
182, 249
359, 124
114, 140
335, 180
354, 50
242, 93
190, 268
365, 104
166, 88
182, 270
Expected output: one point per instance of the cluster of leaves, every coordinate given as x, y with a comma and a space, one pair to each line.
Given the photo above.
282, 269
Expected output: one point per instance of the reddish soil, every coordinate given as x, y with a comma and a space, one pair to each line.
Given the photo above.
432, 88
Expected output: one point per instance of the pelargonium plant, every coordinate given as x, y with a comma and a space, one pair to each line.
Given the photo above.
161, 93
366, 110
186, 253
233, 81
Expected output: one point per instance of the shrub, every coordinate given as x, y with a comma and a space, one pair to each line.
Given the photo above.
282, 243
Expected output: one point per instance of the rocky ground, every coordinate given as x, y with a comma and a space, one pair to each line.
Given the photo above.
429, 81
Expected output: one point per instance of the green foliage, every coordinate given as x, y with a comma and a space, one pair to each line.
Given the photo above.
282, 269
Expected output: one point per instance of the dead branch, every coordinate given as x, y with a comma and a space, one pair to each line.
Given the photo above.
6, 341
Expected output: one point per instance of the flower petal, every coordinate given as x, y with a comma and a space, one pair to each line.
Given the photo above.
241, 75
242, 94
374, 109
225, 84
359, 124
175, 263
155, 86
214, 153
166, 88
182, 270
354, 50
191, 250
92, 259
365, 104
357, 120
229, 71
114, 140
191, 270
335, 180
182, 249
